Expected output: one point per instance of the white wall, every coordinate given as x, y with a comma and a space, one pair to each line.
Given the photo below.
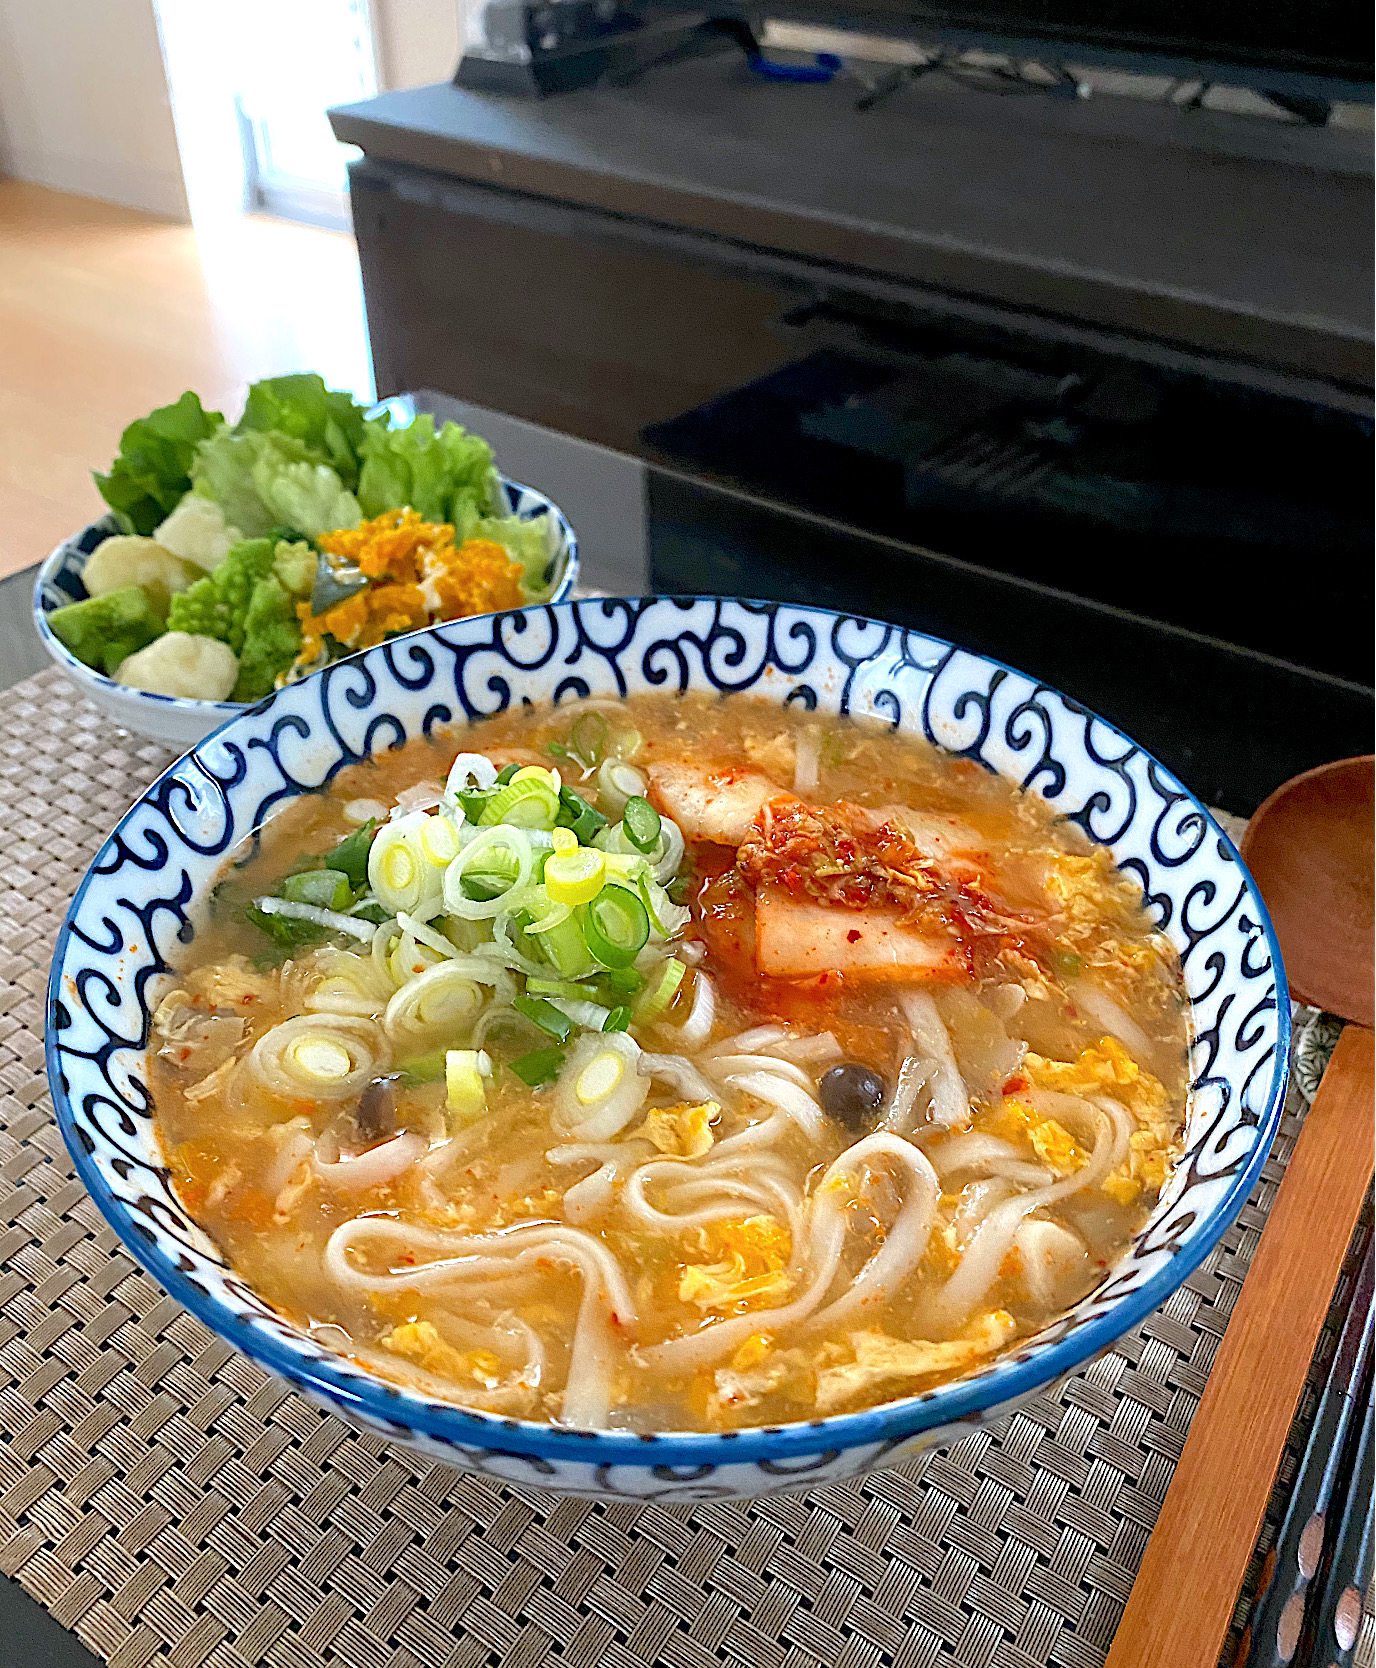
84, 104
416, 41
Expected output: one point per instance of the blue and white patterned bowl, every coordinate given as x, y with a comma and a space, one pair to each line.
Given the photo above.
182, 723
137, 910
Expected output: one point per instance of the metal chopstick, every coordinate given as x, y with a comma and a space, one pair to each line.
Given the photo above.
1277, 1623
1338, 1617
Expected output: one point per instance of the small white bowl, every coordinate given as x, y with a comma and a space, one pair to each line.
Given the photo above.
182, 723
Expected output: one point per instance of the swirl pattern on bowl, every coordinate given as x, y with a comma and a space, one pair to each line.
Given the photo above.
138, 907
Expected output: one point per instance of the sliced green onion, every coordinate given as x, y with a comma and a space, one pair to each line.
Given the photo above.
529, 800
490, 876
322, 1056
616, 783
621, 981
567, 950
438, 841
441, 1004
616, 926
539, 912
641, 823
263, 909
575, 877
559, 987
584, 819
590, 1015
463, 935
599, 1079
514, 948
422, 1068
468, 771
473, 802
541, 1065
588, 738
625, 744
465, 1070
478, 857
350, 856
618, 1019
401, 871
329, 888
505, 774
544, 1014
600, 1089
627, 867
660, 992
666, 917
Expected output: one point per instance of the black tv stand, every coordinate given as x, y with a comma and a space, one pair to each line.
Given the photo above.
769, 295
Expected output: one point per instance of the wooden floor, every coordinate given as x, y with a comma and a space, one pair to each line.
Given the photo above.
106, 312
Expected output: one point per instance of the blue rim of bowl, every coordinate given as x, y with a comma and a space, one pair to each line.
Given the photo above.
891, 1423
63, 656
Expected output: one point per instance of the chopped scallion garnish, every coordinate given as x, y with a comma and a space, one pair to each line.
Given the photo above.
541, 1065
544, 1014
616, 926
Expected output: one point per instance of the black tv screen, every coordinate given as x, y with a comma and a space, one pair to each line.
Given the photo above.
1262, 43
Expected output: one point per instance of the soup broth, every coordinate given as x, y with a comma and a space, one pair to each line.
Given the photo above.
674, 1063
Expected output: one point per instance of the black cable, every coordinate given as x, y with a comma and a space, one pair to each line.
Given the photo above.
985, 78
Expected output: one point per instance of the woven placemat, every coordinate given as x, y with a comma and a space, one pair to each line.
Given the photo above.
166, 1500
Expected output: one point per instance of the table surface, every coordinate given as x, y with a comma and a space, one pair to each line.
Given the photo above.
161, 1498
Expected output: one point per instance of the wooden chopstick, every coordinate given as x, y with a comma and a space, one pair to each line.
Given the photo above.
1278, 1619
1339, 1613
1181, 1603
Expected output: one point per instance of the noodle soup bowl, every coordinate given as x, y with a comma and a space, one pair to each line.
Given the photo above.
140, 905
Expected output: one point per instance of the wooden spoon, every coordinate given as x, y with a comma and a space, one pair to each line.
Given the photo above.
1310, 850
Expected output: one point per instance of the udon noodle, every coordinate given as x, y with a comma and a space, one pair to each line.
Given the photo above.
672, 1064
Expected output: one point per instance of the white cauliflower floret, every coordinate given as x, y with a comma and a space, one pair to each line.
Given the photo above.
128, 559
198, 532
178, 663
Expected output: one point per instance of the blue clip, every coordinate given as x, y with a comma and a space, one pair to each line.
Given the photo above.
825, 68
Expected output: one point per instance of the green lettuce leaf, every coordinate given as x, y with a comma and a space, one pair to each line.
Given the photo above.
443, 476
269, 482
148, 479
327, 422
309, 497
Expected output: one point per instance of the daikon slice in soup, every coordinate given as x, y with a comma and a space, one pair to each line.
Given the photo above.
672, 1063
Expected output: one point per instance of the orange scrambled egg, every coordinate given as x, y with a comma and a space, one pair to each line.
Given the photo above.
750, 1266
418, 575
1106, 1068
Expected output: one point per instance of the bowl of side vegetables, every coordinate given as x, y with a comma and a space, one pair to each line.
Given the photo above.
236, 559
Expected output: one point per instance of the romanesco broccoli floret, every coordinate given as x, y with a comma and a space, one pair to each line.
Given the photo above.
102, 631
271, 640
217, 605
199, 612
